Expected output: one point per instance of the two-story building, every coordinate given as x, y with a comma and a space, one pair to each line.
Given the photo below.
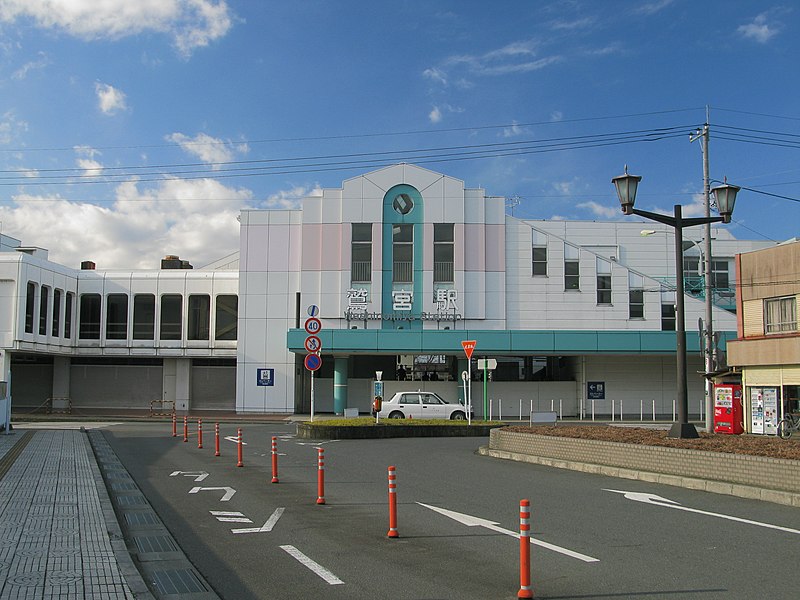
767, 351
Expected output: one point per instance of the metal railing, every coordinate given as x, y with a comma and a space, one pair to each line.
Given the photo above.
361, 271
443, 272
403, 272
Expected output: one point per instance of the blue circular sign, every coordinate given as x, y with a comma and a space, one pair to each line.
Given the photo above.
313, 362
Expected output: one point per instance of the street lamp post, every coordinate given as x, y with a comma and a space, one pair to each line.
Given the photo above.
626, 186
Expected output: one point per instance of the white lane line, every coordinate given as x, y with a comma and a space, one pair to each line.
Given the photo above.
316, 568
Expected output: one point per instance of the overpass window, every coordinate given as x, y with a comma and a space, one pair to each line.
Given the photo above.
68, 315
144, 317
43, 301
30, 306
89, 327
56, 313
226, 317
117, 317
199, 316
171, 308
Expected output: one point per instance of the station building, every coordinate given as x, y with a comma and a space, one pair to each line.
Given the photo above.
400, 265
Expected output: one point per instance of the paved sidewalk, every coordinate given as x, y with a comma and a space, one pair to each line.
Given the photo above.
55, 519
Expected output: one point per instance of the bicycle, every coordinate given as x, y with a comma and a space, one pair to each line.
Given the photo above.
788, 424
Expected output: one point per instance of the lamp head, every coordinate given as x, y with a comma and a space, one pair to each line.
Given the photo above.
725, 198
626, 186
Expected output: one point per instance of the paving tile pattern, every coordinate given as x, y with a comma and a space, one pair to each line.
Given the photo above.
54, 542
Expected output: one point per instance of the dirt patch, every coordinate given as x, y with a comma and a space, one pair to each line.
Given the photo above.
756, 445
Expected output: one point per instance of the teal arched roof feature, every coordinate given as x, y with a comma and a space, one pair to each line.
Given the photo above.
402, 205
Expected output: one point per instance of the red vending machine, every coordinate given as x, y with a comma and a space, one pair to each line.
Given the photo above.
728, 413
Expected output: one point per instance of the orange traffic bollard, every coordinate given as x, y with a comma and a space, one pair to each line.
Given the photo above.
174, 425
239, 444
216, 439
185, 428
392, 504
525, 590
274, 459
199, 434
320, 476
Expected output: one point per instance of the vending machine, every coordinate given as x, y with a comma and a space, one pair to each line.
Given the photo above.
728, 413
764, 410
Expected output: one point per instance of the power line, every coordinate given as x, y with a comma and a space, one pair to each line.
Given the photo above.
364, 160
357, 135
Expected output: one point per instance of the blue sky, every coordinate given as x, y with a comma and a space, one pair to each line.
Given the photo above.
131, 130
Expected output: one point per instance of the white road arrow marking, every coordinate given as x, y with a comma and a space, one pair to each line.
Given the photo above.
197, 475
316, 444
229, 491
667, 503
230, 517
471, 521
234, 439
266, 527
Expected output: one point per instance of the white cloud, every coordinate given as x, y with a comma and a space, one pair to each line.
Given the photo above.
292, 197
191, 23
209, 149
556, 115
40, 63
195, 219
514, 131
759, 30
10, 127
109, 99
651, 8
435, 115
436, 75
516, 57
600, 210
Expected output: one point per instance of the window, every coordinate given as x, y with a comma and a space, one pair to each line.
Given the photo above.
603, 281
667, 311
171, 307
89, 326
361, 253
199, 316
719, 275
68, 315
572, 277
539, 253
402, 253
635, 296
56, 313
443, 252
30, 306
117, 317
780, 315
144, 317
43, 301
226, 317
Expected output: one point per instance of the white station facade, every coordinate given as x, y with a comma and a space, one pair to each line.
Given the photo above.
400, 266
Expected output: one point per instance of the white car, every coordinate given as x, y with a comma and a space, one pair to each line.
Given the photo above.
421, 405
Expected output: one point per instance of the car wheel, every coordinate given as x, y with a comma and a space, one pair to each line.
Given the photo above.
458, 416
396, 415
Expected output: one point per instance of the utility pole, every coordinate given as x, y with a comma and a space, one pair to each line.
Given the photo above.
708, 292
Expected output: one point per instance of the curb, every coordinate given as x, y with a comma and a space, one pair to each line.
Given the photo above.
310, 431
128, 569
716, 487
